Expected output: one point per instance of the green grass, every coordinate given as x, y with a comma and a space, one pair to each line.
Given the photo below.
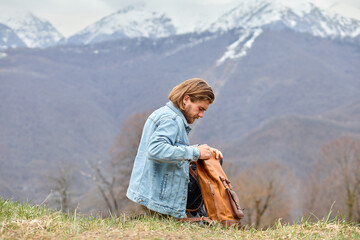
27, 221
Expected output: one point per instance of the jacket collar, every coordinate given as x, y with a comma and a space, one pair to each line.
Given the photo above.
181, 115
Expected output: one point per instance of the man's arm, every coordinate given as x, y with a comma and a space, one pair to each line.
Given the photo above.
162, 147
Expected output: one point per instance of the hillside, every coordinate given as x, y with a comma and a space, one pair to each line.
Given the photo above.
283, 73
348, 113
293, 140
26, 221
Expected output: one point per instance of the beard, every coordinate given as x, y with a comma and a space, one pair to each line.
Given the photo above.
190, 119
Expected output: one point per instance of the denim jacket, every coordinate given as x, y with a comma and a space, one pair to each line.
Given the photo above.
160, 175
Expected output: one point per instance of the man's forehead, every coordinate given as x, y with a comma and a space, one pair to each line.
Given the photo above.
204, 104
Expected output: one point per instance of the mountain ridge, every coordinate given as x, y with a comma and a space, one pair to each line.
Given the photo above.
305, 17
33, 31
130, 22
136, 21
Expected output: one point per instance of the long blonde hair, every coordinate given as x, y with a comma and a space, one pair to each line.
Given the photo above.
197, 89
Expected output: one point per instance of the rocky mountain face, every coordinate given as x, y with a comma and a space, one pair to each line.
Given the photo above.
33, 31
131, 22
8, 38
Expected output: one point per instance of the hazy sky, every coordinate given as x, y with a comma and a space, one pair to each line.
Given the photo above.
71, 16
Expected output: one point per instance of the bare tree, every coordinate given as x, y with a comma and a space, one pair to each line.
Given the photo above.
336, 178
113, 183
261, 190
60, 182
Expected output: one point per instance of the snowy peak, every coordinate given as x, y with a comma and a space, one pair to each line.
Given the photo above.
33, 31
8, 38
301, 16
130, 22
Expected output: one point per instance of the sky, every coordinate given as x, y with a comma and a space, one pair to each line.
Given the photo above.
71, 16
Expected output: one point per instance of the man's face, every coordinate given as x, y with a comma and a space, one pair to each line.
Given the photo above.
194, 110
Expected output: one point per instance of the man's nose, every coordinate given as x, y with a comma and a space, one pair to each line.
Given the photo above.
201, 114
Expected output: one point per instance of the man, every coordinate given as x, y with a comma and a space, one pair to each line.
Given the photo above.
160, 175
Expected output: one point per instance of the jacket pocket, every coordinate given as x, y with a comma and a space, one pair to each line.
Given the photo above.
163, 186
180, 164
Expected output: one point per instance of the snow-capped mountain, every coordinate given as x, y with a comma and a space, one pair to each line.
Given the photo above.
300, 15
33, 31
8, 38
126, 23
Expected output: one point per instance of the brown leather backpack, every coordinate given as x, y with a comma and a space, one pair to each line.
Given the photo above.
221, 202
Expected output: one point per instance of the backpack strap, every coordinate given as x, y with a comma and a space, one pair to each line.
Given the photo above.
208, 221
231, 223
194, 210
205, 220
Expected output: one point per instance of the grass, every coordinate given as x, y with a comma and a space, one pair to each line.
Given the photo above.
27, 221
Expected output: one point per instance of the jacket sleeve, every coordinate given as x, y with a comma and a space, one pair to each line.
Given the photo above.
164, 148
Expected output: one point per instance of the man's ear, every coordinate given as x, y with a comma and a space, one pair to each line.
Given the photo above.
186, 99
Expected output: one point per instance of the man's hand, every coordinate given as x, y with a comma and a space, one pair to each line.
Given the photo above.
206, 152
217, 153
